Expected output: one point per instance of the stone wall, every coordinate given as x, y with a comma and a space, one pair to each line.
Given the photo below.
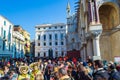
115, 41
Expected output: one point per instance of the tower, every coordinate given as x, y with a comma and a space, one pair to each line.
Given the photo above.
68, 9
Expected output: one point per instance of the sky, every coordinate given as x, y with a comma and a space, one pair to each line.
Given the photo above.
29, 13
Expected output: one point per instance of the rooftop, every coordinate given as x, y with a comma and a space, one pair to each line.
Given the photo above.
50, 25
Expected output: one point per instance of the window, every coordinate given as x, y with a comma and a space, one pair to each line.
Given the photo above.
44, 28
38, 44
38, 54
44, 37
9, 37
56, 54
9, 27
9, 46
1, 31
61, 36
56, 37
44, 54
55, 27
61, 27
62, 43
12, 48
62, 54
4, 34
50, 37
38, 37
50, 43
56, 43
4, 23
44, 43
3, 45
38, 28
73, 40
49, 27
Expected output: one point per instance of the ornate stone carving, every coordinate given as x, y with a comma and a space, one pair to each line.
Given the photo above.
96, 33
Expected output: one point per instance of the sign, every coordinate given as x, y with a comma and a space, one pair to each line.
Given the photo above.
96, 58
117, 59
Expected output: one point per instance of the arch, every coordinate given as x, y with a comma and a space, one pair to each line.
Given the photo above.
109, 15
109, 18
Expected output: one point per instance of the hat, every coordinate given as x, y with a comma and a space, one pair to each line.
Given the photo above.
33, 64
23, 69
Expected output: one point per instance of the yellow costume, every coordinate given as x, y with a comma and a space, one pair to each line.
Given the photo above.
23, 73
36, 73
1, 73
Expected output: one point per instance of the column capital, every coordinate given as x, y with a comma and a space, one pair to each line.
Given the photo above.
95, 30
96, 34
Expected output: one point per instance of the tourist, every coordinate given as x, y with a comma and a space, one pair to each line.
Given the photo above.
99, 72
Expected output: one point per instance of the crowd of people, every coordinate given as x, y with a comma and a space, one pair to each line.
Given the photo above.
58, 69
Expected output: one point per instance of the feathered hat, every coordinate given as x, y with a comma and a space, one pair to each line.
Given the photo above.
23, 69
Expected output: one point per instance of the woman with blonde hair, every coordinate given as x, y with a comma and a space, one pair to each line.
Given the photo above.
83, 73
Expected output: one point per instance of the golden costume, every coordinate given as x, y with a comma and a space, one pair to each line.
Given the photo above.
36, 73
1, 73
23, 73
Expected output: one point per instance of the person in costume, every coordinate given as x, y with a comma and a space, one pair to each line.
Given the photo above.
24, 73
36, 74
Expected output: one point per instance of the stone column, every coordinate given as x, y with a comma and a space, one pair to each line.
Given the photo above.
96, 46
95, 31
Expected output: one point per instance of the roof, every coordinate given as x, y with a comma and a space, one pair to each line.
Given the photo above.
6, 19
50, 25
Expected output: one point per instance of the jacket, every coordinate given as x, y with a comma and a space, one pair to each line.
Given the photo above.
114, 75
100, 74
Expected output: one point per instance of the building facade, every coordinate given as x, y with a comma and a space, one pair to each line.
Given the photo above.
32, 48
72, 36
27, 42
50, 40
99, 28
18, 44
6, 28
26, 38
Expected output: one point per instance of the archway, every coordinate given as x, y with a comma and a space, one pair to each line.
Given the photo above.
109, 18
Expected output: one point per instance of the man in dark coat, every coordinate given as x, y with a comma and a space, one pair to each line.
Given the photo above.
99, 72
114, 74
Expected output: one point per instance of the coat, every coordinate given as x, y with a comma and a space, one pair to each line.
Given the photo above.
100, 74
114, 75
